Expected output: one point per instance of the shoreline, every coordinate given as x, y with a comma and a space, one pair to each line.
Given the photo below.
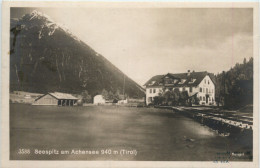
220, 123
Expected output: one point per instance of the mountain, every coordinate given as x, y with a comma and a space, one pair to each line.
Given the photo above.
46, 57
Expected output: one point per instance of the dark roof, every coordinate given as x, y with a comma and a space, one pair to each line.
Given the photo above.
156, 78
59, 95
199, 76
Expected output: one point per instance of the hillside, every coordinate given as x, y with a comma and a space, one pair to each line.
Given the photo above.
234, 88
47, 57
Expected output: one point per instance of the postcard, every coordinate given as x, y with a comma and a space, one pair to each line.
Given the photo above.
129, 84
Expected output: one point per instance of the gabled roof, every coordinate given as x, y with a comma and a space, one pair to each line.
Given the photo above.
197, 76
59, 95
156, 78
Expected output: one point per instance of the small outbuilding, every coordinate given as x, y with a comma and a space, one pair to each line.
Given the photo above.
99, 99
56, 98
122, 101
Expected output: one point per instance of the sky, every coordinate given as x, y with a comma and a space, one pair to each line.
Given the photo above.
143, 42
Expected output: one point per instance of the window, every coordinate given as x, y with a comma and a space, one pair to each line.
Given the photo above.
154, 90
200, 98
205, 81
203, 98
150, 90
209, 99
190, 89
207, 90
183, 89
208, 82
200, 89
192, 80
182, 81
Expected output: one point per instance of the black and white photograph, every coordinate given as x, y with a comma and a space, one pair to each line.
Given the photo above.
132, 83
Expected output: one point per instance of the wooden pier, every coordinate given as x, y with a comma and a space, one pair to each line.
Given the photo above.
225, 125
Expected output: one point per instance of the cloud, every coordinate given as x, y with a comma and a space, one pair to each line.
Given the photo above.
143, 42
153, 61
199, 26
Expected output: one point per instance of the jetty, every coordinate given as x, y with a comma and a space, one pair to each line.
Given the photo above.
226, 123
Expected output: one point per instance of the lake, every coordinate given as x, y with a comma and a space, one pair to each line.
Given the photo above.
116, 133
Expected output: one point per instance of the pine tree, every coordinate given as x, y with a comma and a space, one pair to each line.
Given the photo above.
234, 88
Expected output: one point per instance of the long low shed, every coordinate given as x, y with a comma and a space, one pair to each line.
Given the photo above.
56, 98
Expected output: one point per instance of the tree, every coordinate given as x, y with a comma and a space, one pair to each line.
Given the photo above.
111, 95
184, 96
176, 96
234, 88
167, 96
244, 61
86, 97
104, 93
158, 100
117, 94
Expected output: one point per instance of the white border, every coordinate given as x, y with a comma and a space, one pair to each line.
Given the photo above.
5, 162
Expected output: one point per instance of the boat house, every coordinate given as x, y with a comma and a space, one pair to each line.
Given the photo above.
56, 98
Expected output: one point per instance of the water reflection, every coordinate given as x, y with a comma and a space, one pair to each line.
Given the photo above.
198, 130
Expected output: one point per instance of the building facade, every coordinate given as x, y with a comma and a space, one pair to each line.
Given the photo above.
56, 98
99, 99
199, 84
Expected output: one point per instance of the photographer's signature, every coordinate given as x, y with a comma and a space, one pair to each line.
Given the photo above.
225, 157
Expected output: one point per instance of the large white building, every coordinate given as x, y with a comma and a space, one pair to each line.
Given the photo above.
200, 84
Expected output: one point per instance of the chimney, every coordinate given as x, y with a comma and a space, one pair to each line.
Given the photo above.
188, 74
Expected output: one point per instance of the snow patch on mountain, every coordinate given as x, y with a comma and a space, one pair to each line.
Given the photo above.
49, 24
39, 15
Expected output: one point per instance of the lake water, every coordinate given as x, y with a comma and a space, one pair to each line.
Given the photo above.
147, 133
